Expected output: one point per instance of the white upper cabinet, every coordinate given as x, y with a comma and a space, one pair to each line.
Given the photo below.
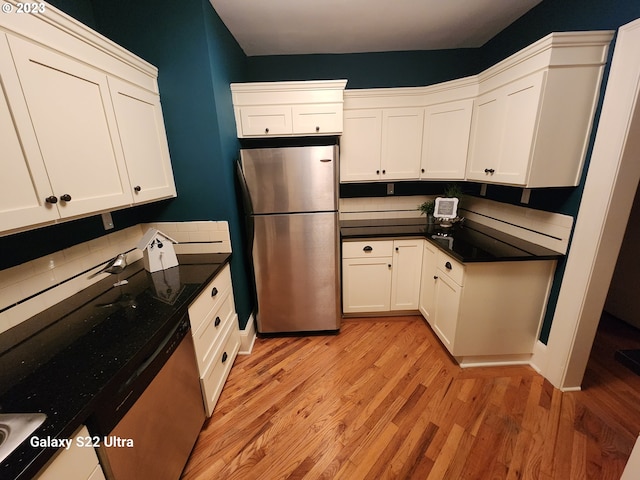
532, 119
24, 184
73, 119
446, 140
285, 109
144, 141
401, 143
393, 134
361, 146
82, 127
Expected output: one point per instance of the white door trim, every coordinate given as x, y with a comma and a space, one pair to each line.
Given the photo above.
610, 187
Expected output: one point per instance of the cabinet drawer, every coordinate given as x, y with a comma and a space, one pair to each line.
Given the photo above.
210, 298
207, 338
453, 268
321, 119
217, 372
364, 249
266, 120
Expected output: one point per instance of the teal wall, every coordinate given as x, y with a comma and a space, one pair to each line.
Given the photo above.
198, 58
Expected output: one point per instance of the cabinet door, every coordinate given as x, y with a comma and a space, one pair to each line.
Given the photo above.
144, 141
428, 282
522, 99
486, 135
24, 184
504, 125
402, 130
446, 140
73, 119
366, 284
317, 119
264, 121
407, 265
447, 306
360, 146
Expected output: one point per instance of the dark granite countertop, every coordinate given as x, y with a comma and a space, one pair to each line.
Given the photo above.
63, 361
466, 242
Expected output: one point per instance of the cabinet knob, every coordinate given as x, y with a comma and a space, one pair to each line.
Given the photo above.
448, 266
216, 323
224, 357
377, 172
397, 249
317, 129
214, 292
368, 248
384, 172
266, 130
65, 198
422, 170
52, 199
137, 188
435, 277
389, 265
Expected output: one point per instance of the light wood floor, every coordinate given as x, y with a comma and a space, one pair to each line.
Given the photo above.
383, 400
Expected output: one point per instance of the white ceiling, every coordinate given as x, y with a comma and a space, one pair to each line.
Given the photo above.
284, 27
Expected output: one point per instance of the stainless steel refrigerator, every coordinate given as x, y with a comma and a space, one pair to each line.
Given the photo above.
292, 206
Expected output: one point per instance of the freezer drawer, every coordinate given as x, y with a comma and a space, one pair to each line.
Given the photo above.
297, 275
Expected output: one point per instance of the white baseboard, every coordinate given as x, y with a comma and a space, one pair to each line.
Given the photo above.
247, 337
493, 360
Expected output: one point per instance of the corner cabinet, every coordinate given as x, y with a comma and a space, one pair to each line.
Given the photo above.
81, 121
286, 109
484, 311
532, 119
381, 275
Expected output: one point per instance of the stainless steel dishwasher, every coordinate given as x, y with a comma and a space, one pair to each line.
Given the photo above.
153, 436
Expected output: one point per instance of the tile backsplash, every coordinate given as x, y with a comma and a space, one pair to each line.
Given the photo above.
34, 286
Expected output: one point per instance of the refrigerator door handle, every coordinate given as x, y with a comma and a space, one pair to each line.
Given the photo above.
246, 196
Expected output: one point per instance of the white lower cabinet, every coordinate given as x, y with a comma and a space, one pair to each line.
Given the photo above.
79, 462
484, 310
216, 338
381, 275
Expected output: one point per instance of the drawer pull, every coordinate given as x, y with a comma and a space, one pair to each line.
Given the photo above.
368, 248
224, 357
214, 292
448, 266
435, 277
216, 323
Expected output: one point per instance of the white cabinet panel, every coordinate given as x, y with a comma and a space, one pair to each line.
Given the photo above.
321, 119
361, 146
144, 141
366, 284
428, 282
73, 119
445, 142
407, 269
24, 184
266, 120
447, 305
401, 143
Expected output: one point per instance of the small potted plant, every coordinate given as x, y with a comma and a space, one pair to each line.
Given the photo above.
426, 208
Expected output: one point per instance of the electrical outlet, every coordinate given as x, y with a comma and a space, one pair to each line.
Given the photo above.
107, 221
390, 188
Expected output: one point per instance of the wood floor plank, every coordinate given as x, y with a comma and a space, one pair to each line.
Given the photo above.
384, 400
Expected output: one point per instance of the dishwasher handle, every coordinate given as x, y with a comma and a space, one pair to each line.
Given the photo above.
170, 341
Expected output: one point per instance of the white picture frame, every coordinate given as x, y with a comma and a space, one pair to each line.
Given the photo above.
446, 207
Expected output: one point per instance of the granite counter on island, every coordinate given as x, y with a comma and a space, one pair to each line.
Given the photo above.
63, 361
